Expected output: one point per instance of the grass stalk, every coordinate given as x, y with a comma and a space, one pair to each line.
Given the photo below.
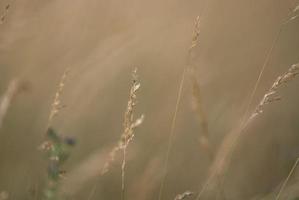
129, 125
194, 42
287, 180
223, 158
13, 89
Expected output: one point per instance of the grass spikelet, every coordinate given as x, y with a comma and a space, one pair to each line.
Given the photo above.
184, 195
195, 36
293, 14
271, 95
56, 105
196, 93
129, 126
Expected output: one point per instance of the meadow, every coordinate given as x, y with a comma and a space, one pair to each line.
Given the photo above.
149, 100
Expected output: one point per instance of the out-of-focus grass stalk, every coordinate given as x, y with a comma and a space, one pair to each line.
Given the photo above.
194, 42
14, 88
197, 100
287, 179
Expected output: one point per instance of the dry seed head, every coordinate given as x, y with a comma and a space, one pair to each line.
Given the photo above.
271, 95
196, 33
183, 195
110, 160
129, 124
56, 105
197, 104
293, 14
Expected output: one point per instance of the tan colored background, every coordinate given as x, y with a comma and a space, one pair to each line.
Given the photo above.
102, 41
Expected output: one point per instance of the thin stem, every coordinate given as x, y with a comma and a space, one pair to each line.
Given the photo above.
245, 119
172, 132
123, 168
266, 61
262, 70
178, 101
287, 179
92, 192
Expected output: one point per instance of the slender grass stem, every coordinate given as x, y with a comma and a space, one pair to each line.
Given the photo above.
172, 132
287, 179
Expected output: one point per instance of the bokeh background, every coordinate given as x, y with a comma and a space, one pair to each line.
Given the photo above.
102, 42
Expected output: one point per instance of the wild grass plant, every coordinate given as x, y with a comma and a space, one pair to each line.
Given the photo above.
14, 88
130, 123
58, 148
222, 159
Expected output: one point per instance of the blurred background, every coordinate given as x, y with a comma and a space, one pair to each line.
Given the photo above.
102, 42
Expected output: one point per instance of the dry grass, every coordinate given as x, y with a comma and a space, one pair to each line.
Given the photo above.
287, 180
129, 125
222, 160
197, 100
184, 195
92, 168
271, 95
56, 105
14, 88
194, 42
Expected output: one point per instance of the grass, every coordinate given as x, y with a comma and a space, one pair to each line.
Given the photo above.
287, 179
15, 87
129, 126
58, 148
183, 195
222, 159
229, 143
